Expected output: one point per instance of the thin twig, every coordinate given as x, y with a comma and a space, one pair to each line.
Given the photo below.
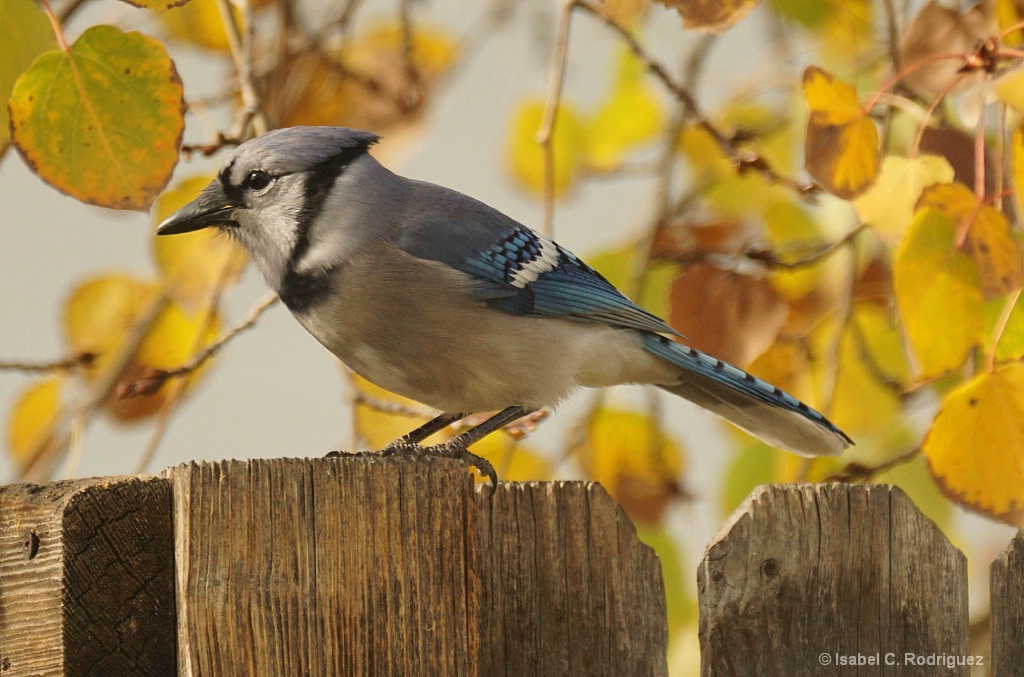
855, 472
241, 54
177, 388
414, 90
546, 133
66, 364
766, 257
41, 461
744, 159
1000, 328
153, 381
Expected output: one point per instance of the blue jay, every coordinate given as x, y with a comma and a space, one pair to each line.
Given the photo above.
436, 296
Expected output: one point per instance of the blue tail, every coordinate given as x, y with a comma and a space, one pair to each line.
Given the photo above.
752, 404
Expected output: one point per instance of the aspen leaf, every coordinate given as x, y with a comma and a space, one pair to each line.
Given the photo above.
25, 33
617, 265
526, 156
730, 315
316, 88
624, 12
512, 460
937, 31
841, 149
1017, 165
974, 445
704, 154
914, 478
751, 465
33, 417
888, 205
99, 312
631, 115
1009, 16
711, 16
198, 22
1010, 89
679, 605
938, 293
988, 240
171, 342
380, 428
193, 264
861, 404
102, 121
1011, 340
633, 459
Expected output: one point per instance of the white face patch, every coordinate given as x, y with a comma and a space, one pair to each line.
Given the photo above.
546, 260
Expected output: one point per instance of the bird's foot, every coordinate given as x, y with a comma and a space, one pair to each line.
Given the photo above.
450, 449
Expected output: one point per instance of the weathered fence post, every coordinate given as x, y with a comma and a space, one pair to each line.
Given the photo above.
87, 578
1007, 610
351, 566
810, 579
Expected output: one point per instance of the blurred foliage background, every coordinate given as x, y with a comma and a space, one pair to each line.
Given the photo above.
823, 192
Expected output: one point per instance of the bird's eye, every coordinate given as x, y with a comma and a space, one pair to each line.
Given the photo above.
257, 180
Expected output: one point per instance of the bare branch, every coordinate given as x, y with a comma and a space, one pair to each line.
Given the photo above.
157, 378
744, 159
855, 472
545, 135
241, 54
66, 364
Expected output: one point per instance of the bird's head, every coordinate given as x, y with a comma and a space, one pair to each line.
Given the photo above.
271, 191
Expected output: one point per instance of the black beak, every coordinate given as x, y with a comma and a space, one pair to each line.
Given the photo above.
211, 208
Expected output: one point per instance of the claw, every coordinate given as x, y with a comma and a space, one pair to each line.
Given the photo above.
446, 450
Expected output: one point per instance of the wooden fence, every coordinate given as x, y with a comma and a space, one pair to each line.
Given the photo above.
370, 566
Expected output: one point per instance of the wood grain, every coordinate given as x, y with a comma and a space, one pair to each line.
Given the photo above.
86, 578
1007, 614
370, 566
802, 571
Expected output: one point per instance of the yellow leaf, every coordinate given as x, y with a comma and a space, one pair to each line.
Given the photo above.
888, 206
617, 266
380, 428
1011, 341
1017, 165
861, 404
33, 417
704, 154
196, 21
1010, 89
102, 121
192, 265
841, 149
526, 156
25, 33
711, 16
512, 460
1009, 17
100, 311
624, 12
974, 448
634, 460
631, 115
988, 238
175, 337
938, 293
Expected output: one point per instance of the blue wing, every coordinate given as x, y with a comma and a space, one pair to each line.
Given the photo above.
522, 272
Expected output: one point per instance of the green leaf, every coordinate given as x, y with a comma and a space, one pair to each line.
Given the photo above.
24, 34
102, 121
938, 293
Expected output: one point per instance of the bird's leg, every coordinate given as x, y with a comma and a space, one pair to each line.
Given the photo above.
458, 446
426, 430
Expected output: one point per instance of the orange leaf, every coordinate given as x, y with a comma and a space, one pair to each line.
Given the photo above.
711, 16
730, 315
841, 150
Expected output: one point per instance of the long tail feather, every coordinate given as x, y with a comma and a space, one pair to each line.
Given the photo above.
752, 404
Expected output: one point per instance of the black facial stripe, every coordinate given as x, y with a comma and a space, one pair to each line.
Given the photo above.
302, 291
233, 193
